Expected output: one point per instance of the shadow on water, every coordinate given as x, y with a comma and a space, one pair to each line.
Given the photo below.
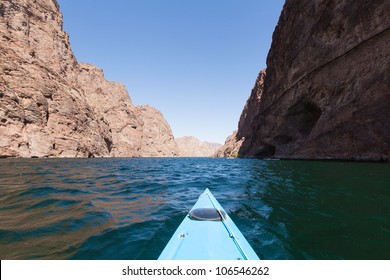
129, 208
319, 210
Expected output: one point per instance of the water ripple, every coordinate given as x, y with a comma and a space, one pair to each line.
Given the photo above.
129, 208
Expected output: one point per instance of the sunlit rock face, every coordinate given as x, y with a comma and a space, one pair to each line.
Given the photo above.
192, 147
233, 143
52, 106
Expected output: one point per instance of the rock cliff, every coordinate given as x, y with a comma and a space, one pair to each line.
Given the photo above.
326, 92
233, 143
192, 147
51, 106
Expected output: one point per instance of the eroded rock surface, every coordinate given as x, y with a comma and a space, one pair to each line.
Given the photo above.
51, 106
326, 92
233, 143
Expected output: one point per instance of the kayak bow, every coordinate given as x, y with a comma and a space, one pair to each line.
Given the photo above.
208, 233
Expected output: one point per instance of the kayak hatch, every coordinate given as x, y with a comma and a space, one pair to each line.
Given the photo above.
208, 233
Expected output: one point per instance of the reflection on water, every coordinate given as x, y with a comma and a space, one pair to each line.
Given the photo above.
129, 208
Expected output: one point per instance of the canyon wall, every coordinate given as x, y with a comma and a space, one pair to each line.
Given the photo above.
52, 106
192, 147
327, 89
234, 142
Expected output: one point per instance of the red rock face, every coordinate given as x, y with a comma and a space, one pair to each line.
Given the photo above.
326, 93
51, 106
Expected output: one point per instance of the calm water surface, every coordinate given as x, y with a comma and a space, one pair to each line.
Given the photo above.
129, 208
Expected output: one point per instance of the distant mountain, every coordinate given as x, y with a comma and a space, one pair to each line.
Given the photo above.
192, 147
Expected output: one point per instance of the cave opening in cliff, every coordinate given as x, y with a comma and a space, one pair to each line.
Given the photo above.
303, 116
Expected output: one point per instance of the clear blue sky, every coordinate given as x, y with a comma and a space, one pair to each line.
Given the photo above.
194, 60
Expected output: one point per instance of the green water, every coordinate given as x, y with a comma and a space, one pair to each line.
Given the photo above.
129, 208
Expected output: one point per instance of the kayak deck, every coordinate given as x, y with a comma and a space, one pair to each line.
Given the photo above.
216, 238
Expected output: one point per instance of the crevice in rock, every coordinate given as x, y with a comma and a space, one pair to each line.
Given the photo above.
2, 10
108, 143
303, 116
282, 139
266, 150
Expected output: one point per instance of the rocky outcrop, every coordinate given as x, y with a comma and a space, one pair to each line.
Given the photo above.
157, 139
326, 93
135, 130
231, 147
51, 106
233, 143
192, 147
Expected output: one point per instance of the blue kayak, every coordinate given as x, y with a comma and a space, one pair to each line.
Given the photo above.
208, 233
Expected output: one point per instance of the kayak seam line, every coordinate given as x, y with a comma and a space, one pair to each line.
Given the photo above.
231, 234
